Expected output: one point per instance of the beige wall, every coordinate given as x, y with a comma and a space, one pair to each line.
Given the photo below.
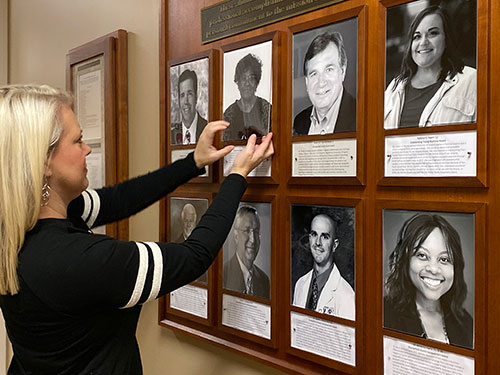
40, 34
3, 41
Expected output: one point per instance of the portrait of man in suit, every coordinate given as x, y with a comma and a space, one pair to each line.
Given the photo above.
323, 288
185, 215
188, 221
330, 107
240, 273
191, 124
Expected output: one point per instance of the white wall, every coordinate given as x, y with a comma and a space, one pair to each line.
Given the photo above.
41, 32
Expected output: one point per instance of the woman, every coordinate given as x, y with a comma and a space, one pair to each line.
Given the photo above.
250, 114
433, 87
71, 299
425, 289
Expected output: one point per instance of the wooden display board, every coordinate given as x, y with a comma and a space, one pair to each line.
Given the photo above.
372, 178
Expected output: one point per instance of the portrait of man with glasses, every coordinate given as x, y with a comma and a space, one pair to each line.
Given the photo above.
246, 242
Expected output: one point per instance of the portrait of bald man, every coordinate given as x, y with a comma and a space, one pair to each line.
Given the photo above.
185, 215
323, 288
240, 271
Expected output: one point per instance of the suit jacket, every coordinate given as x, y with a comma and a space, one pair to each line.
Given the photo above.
233, 279
337, 297
459, 333
176, 130
346, 120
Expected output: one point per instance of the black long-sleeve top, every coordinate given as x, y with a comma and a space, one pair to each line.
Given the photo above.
80, 294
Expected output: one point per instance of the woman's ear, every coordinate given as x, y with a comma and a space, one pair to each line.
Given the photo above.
47, 172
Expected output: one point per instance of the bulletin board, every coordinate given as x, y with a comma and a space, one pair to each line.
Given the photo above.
97, 75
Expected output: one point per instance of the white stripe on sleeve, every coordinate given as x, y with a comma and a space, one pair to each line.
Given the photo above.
141, 275
96, 207
87, 205
158, 270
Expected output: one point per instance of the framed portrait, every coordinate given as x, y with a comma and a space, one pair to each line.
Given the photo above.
185, 214
322, 259
193, 301
247, 251
325, 79
190, 104
429, 275
247, 93
248, 289
431, 64
326, 133
434, 78
433, 267
189, 100
325, 280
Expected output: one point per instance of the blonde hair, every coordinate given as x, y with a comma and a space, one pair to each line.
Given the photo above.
29, 130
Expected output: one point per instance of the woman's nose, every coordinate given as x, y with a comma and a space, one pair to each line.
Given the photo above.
432, 267
89, 149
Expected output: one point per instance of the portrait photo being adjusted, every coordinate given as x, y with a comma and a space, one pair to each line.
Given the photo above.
431, 64
322, 259
324, 79
247, 91
188, 101
429, 275
247, 251
185, 213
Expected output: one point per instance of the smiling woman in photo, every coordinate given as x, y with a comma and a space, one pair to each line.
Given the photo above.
250, 114
434, 87
425, 288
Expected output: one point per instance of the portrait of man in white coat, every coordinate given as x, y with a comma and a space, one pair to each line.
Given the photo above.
323, 288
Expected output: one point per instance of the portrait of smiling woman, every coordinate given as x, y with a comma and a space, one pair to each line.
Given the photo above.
425, 286
248, 74
434, 86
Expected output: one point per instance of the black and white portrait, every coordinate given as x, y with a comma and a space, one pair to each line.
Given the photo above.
185, 214
431, 63
189, 100
324, 79
247, 251
322, 259
429, 275
247, 91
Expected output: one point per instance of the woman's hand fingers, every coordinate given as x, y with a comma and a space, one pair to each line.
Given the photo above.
205, 152
252, 155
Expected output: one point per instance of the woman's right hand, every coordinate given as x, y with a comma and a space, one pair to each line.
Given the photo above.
252, 155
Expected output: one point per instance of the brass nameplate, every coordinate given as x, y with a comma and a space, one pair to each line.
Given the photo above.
231, 17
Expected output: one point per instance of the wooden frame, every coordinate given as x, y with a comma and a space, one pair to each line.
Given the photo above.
113, 48
275, 38
213, 62
481, 126
480, 306
272, 201
358, 13
210, 285
357, 324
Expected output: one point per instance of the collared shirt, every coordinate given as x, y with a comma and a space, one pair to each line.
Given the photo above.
244, 269
325, 125
192, 131
321, 280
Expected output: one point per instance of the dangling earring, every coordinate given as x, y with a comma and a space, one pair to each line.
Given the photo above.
45, 194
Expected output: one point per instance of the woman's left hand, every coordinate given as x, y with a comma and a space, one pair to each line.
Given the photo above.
205, 152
